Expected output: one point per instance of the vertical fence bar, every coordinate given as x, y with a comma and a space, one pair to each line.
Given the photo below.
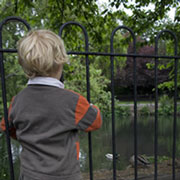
175, 120
156, 104
175, 105
112, 99
3, 85
156, 111
88, 98
113, 107
135, 109
87, 86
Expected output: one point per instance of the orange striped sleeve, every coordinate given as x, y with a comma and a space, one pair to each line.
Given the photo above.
97, 122
77, 149
2, 124
81, 108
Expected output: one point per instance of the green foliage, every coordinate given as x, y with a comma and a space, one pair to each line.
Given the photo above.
75, 79
166, 47
144, 111
167, 86
121, 110
99, 23
166, 105
14, 77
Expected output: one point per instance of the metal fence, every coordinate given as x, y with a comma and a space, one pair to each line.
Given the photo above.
111, 54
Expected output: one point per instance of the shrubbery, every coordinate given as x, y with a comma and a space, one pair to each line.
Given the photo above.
75, 79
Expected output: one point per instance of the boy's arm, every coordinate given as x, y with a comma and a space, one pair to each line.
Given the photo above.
12, 129
87, 116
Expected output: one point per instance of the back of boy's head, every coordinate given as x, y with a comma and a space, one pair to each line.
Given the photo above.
41, 53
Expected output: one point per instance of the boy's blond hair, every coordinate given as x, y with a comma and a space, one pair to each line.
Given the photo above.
41, 52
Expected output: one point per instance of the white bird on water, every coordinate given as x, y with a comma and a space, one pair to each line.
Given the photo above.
110, 156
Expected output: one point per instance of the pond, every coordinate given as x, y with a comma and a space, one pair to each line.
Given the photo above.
102, 143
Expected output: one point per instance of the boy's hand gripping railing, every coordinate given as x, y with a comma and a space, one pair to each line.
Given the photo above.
87, 84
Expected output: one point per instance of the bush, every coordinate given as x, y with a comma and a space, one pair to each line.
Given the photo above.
166, 105
75, 79
122, 110
144, 111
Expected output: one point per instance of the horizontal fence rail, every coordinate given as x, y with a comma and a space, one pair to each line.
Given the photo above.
111, 54
105, 54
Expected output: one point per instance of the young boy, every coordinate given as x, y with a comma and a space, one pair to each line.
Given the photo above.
45, 117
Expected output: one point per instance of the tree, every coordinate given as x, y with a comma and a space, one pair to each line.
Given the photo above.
51, 15
148, 22
144, 72
98, 86
99, 24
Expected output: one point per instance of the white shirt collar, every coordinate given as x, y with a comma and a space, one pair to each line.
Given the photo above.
46, 81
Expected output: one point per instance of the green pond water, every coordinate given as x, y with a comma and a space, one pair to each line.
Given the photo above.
102, 143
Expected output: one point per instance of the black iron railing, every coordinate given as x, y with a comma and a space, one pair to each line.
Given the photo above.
3, 86
86, 53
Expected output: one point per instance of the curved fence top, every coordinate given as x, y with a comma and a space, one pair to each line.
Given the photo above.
172, 34
77, 24
11, 19
128, 29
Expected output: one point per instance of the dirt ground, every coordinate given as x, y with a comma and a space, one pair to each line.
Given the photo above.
144, 173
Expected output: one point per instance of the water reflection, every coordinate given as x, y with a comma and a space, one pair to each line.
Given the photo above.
102, 142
